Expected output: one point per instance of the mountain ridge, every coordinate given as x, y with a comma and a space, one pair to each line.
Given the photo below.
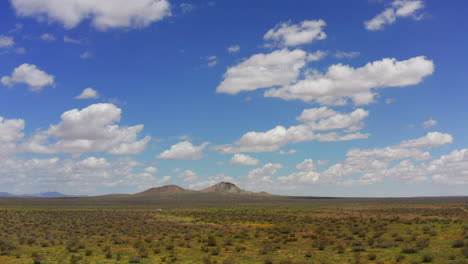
219, 188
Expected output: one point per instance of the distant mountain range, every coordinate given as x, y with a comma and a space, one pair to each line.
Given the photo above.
167, 190
44, 194
217, 195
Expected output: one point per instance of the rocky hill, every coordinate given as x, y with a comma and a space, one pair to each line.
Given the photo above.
225, 187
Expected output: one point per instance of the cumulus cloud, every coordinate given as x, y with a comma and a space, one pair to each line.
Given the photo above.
188, 176
264, 173
316, 56
86, 176
405, 161
305, 175
11, 132
288, 35
429, 123
103, 14
30, 75
343, 81
306, 165
88, 93
233, 48
263, 70
398, 8
242, 159
93, 163
184, 151
326, 119
451, 168
432, 139
315, 119
6, 41
92, 129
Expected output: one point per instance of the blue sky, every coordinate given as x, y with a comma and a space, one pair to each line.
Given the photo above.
334, 98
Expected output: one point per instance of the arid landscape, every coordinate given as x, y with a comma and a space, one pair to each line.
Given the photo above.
233, 132
224, 224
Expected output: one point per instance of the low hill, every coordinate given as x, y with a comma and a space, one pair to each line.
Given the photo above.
164, 190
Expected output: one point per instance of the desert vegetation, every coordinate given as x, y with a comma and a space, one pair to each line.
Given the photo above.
338, 233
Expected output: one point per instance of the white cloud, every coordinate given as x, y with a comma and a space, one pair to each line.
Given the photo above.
301, 177
6, 41
11, 131
48, 37
88, 93
327, 119
343, 81
184, 151
212, 61
316, 56
347, 55
211, 181
263, 70
103, 14
429, 123
432, 139
399, 8
386, 154
86, 55
264, 173
288, 35
186, 7
270, 140
314, 114
407, 171
306, 165
451, 168
242, 159
289, 152
316, 119
71, 176
333, 136
92, 129
233, 48
68, 39
30, 75
188, 176
151, 170
401, 162
94, 163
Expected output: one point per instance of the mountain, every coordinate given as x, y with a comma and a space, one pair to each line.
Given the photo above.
5, 194
49, 194
225, 187
164, 190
